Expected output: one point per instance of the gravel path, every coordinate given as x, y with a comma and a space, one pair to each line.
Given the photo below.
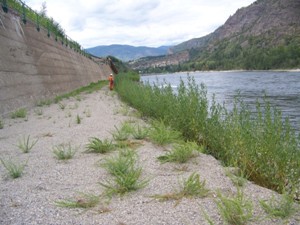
31, 198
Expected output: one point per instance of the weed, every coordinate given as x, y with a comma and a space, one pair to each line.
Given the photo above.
43, 102
64, 151
191, 187
162, 134
96, 145
25, 145
61, 105
181, 153
262, 143
20, 113
125, 172
1, 124
78, 119
282, 208
123, 133
15, 170
38, 112
140, 133
236, 210
82, 201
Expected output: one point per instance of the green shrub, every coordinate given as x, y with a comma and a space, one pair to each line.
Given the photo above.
261, 143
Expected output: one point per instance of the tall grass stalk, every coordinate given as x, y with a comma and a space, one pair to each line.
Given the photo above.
14, 169
26, 145
262, 143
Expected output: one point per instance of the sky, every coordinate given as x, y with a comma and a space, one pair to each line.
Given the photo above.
151, 23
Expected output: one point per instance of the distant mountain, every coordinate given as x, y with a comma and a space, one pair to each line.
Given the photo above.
264, 35
127, 52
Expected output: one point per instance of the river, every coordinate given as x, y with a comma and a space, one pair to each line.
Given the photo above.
282, 89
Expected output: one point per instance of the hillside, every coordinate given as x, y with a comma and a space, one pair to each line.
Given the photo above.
264, 35
127, 52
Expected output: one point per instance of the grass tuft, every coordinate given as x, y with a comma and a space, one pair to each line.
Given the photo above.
82, 201
181, 153
140, 133
125, 173
162, 134
282, 208
14, 169
20, 113
64, 151
190, 187
96, 145
235, 210
25, 145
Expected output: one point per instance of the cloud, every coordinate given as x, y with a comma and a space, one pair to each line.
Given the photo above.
139, 23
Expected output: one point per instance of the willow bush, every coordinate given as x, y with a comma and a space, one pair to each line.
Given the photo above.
261, 143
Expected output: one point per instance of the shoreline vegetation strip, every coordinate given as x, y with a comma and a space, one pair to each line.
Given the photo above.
262, 144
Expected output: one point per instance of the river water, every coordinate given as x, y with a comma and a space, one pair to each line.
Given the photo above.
282, 89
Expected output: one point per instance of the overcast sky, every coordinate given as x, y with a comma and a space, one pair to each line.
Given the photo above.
151, 23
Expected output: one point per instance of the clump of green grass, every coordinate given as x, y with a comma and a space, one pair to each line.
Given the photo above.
78, 119
20, 113
125, 174
82, 201
64, 151
161, 134
140, 132
43, 102
1, 124
180, 153
122, 133
235, 210
190, 187
25, 144
86, 89
96, 145
14, 169
283, 208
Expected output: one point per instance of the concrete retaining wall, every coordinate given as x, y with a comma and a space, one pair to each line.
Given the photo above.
34, 66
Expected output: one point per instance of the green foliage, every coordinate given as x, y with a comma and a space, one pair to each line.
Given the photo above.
261, 143
180, 153
44, 102
125, 174
140, 133
190, 187
82, 201
14, 169
96, 145
86, 89
25, 145
20, 113
64, 151
1, 124
162, 134
235, 210
123, 133
282, 208
78, 119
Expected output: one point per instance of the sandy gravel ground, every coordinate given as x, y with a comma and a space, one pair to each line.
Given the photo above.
31, 198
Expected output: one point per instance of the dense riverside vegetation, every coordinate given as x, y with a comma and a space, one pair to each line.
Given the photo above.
261, 144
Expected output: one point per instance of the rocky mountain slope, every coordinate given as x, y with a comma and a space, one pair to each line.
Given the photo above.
264, 35
127, 52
